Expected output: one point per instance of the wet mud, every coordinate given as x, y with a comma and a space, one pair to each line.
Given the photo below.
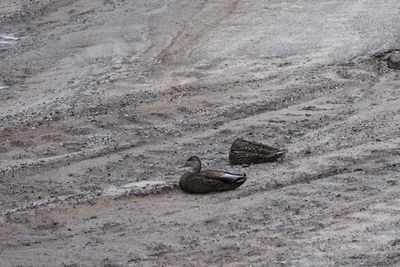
102, 100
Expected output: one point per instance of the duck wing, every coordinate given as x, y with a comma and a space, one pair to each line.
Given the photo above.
225, 177
210, 181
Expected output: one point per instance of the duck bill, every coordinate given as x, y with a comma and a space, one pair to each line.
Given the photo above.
183, 165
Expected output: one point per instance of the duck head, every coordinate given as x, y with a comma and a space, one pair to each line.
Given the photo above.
193, 162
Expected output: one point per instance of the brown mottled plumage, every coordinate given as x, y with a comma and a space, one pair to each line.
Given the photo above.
198, 181
247, 152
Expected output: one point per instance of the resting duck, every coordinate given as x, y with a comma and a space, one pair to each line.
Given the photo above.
198, 181
247, 152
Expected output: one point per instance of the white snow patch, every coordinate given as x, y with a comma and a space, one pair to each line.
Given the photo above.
8, 37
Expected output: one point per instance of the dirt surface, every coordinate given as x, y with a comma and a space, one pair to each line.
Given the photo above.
101, 100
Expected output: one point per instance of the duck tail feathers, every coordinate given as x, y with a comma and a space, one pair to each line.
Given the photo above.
280, 154
240, 180
232, 178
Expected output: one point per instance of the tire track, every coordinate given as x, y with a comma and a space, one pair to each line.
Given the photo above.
203, 22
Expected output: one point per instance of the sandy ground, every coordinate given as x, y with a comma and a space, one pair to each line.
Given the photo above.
101, 100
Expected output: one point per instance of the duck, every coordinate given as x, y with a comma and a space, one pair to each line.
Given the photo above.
199, 181
249, 152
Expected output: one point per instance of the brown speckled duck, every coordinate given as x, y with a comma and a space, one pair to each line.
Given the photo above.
248, 152
198, 181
